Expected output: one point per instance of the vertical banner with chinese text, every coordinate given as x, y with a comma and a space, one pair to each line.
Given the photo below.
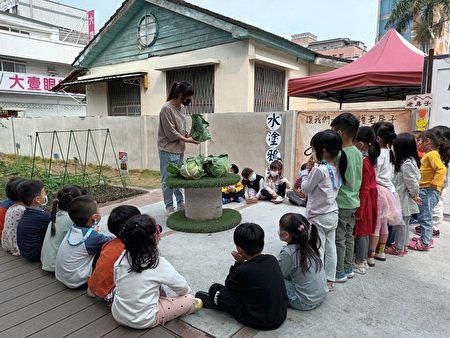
91, 24
273, 137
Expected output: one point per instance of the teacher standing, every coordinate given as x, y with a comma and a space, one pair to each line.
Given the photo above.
172, 138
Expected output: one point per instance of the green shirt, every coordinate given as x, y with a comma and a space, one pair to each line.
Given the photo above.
348, 197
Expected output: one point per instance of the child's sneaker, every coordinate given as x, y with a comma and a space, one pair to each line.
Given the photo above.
366, 265
418, 245
359, 269
431, 244
225, 200
371, 261
278, 200
251, 200
198, 305
204, 298
341, 279
238, 200
394, 252
436, 233
380, 256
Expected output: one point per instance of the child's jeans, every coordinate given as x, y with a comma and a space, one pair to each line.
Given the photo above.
296, 302
174, 307
430, 198
402, 234
361, 248
326, 227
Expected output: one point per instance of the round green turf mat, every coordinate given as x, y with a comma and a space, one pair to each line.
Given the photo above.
179, 222
204, 182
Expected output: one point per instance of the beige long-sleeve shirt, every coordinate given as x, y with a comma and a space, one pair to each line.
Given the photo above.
172, 124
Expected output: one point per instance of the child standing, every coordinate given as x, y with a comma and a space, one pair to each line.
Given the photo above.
432, 176
389, 209
34, 222
301, 264
275, 184
81, 243
254, 292
233, 193
322, 186
253, 185
138, 274
346, 125
406, 181
101, 282
59, 225
11, 194
366, 216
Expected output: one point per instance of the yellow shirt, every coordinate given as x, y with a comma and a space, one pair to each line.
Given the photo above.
432, 170
238, 186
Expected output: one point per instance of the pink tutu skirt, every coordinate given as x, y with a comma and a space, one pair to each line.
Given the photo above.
389, 208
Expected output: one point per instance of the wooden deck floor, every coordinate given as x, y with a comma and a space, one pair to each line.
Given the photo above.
34, 304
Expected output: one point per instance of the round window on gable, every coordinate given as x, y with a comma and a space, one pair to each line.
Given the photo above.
147, 30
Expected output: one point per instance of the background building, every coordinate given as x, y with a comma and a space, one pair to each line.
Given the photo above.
338, 47
39, 46
385, 7
234, 67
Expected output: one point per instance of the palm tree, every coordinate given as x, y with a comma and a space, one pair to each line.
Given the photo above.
428, 18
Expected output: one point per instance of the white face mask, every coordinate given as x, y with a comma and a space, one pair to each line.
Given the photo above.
252, 177
273, 173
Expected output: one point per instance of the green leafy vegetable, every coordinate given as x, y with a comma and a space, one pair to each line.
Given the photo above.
192, 168
199, 129
173, 169
217, 166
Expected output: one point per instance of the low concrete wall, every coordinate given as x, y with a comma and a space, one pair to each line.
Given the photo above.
240, 135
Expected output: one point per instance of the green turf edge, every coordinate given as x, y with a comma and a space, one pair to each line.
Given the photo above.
204, 182
178, 221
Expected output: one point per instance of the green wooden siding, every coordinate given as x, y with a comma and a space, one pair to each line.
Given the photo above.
176, 34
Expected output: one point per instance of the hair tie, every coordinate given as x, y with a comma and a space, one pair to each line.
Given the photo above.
301, 227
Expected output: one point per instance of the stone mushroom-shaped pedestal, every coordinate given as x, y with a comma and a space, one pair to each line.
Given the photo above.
203, 205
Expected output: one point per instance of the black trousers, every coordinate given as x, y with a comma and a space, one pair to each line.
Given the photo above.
280, 192
231, 303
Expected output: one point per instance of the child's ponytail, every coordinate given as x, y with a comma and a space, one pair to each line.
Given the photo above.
367, 135
306, 237
343, 165
62, 201
53, 217
387, 133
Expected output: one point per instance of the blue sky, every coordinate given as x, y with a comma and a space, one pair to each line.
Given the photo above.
355, 19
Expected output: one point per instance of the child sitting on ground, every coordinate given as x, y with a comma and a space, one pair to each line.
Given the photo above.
101, 282
301, 264
33, 225
253, 185
138, 275
275, 185
297, 196
81, 243
254, 292
59, 225
10, 190
233, 193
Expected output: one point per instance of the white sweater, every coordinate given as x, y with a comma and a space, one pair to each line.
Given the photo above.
383, 170
136, 294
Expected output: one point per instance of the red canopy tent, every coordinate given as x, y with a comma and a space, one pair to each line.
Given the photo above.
390, 70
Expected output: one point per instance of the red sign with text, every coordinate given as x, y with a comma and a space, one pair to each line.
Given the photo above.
91, 24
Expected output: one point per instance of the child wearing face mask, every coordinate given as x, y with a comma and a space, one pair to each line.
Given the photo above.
275, 185
32, 226
81, 244
253, 184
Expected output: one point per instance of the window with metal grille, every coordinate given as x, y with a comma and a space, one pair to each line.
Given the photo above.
124, 98
202, 79
269, 89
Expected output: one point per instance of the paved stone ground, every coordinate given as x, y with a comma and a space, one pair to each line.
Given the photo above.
404, 296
